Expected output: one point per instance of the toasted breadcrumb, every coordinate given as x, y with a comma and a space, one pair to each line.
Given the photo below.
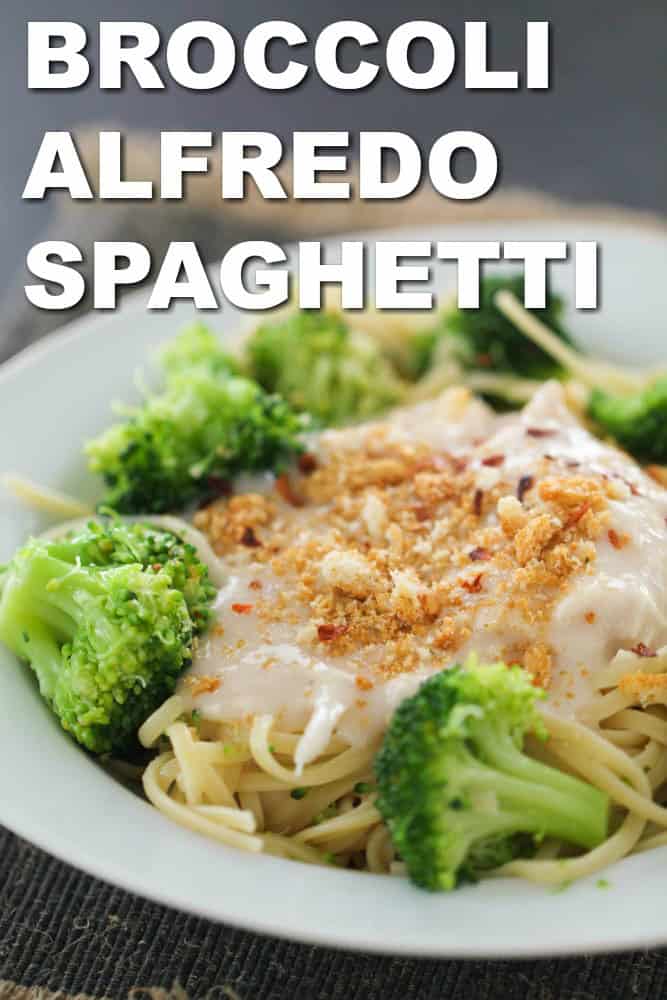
397, 556
658, 473
537, 661
374, 514
645, 687
348, 571
511, 514
618, 539
203, 685
533, 538
227, 521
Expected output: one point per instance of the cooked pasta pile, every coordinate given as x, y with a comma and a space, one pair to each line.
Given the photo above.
239, 784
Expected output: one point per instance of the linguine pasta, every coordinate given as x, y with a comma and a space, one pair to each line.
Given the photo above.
238, 784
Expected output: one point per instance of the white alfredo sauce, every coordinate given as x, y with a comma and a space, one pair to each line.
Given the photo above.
274, 667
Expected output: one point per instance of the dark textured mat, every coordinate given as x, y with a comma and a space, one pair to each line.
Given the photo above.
63, 931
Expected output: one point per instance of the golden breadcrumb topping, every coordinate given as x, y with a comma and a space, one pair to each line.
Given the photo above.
644, 687
658, 473
389, 544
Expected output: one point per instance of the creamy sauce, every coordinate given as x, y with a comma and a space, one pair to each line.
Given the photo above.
262, 666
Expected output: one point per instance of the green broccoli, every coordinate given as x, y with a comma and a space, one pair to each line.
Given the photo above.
197, 345
106, 631
204, 427
322, 366
625, 404
420, 353
457, 791
638, 422
114, 542
486, 339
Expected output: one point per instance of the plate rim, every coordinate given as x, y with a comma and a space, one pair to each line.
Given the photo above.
112, 873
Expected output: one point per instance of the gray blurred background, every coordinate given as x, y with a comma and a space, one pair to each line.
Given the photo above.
598, 134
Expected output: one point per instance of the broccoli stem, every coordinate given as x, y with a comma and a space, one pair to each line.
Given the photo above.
550, 802
60, 580
36, 642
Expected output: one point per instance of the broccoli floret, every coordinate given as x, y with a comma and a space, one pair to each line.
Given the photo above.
205, 426
638, 422
420, 352
117, 543
486, 339
106, 631
456, 789
322, 366
630, 406
197, 345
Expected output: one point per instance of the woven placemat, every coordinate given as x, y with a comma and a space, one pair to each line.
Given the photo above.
64, 934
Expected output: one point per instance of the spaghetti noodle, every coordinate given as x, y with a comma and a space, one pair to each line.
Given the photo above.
238, 784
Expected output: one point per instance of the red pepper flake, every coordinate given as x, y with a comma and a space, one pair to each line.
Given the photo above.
421, 512
327, 633
539, 432
618, 541
363, 683
156, 567
480, 554
484, 360
631, 486
255, 584
473, 586
525, 483
590, 617
641, 650
477, 502
249, 538
242, 609
307, 463
458, 464
493, 460
577, 514
284, 488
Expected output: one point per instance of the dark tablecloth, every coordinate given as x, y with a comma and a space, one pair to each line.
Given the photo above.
63, 931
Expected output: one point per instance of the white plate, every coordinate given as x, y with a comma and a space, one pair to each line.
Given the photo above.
57, 394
